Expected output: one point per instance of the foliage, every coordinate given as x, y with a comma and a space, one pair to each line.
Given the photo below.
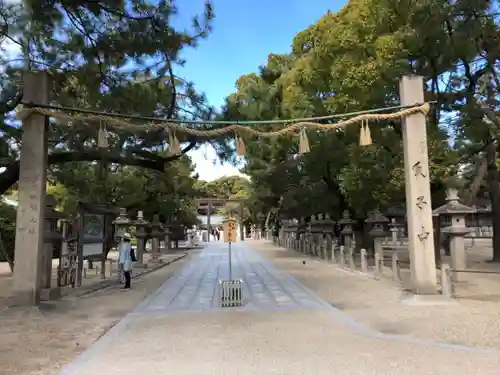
7, 231
230, 187
350, 61
119, 57
227, 187
167, 194
114, 57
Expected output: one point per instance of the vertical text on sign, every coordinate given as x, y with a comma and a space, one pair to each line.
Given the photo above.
229, 228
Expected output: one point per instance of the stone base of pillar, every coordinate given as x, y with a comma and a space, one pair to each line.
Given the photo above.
424, 290
20, 298
50, 294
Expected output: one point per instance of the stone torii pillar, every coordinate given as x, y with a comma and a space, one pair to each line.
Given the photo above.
32, 180
418, 192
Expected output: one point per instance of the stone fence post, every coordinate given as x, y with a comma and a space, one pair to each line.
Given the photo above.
168, 235
328, 227
301, 234
293, 234
364, 261
342, 256
347, 232
316, 234
156, 234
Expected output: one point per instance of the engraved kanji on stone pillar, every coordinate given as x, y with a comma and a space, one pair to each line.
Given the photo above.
418, 194
32, 179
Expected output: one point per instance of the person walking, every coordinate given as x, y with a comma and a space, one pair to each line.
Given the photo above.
125, 259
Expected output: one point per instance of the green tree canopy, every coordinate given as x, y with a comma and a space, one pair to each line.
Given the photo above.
116, 57
352, 60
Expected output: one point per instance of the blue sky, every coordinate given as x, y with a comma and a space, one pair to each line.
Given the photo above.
244, 33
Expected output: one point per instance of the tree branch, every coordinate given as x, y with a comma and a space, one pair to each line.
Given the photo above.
11, 174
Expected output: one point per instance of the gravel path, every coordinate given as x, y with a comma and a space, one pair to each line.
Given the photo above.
377, 304
40, 341
189, 338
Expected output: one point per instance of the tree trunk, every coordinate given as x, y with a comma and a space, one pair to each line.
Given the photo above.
481, 170
494, 192
139, 158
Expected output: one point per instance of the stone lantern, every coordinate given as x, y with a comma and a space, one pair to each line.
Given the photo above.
156, 234
284, 232
121, 224
395, 229
141, 233
52, 238
294, 244
456, 230
308, 237
328, 227
347, 232
253, 234
301, 234
316, 233
378, 231
168, 235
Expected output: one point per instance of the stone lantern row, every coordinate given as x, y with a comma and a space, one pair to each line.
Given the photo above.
321, 226
315, 237
318, 236
143, 229
53, 236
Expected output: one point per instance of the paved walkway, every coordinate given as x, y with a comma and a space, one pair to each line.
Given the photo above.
282, 329
195, 289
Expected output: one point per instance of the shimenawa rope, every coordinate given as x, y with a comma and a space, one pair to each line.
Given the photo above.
173, 129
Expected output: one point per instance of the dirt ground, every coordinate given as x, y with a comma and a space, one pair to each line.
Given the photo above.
378, 304
91, 276
36, 341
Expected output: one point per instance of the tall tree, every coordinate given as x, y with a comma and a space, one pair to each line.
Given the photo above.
115, 57
351, 61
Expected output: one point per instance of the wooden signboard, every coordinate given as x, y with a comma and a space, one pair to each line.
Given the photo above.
93, 234
229, 228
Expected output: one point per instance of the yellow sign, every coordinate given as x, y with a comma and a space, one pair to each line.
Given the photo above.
229, 227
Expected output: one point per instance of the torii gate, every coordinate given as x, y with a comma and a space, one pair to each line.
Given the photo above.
33, 172
211, 201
